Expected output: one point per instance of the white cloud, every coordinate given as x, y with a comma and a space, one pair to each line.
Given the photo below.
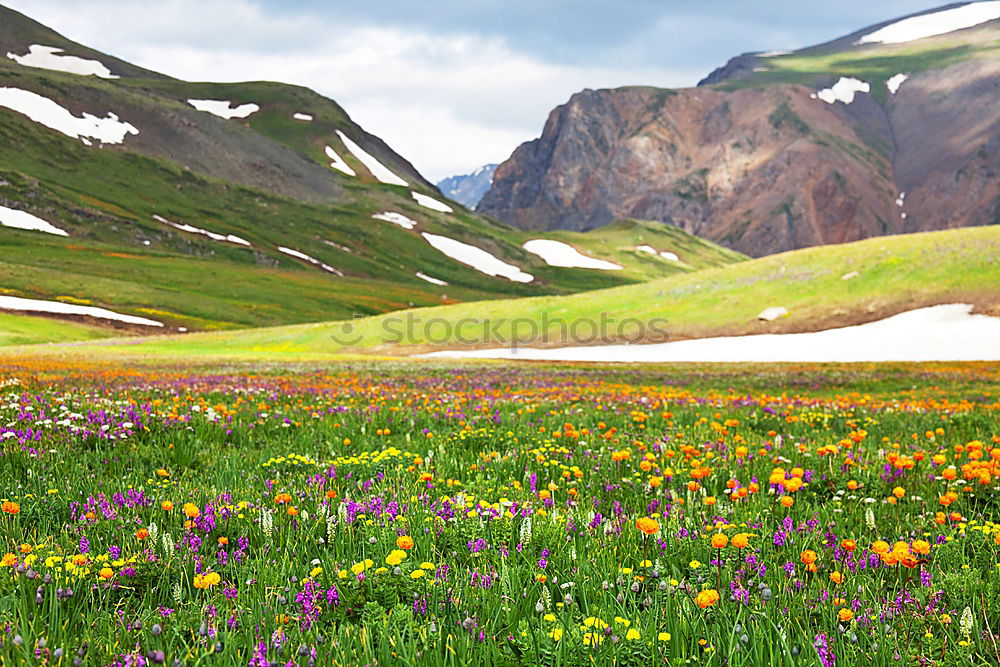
447, 102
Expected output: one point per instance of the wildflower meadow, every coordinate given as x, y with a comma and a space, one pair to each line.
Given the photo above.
452, 515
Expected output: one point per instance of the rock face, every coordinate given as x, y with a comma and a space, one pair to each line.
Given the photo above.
766, 167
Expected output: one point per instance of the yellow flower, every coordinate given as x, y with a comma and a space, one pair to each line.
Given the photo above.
315, 571
8, 560
556, 633
426, 566
416, 574
395, 557
550, 617
632, 634
623, 621
106, 573
694, 565
663, 636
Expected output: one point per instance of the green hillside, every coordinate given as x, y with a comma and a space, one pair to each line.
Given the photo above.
817, 285
265, 179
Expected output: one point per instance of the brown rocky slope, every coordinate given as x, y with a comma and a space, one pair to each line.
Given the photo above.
761, 165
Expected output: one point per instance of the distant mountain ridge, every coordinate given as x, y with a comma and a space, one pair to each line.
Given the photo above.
891, 129
468, 189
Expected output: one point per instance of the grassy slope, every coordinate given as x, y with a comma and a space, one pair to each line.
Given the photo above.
117, 256
874, 63
896, 274
24, 330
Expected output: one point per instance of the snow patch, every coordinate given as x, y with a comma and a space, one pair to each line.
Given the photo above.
42, 110
433, 281
10, 217
938, 23
230, 238
396, 219
431, 203
773, 54
939, 333
342, 248
338, 162
772, 313
60, 308
48, 57
650, 250
477, 258
224, 108
378, 170
312, 260
844, 90
894, 82
303, 117
557, 253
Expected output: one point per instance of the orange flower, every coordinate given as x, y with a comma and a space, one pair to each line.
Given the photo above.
921, 547
404, 542
837, 577
293, 511
787, 501
808, 556
106, 573
707, 598
10, 507
223, 541
741, 540
283, 498
845, 615
848, 545
899, 492
191, 510
709, 500
719, 540
166, 506
647, 525
141, 534
331, 494
880, 547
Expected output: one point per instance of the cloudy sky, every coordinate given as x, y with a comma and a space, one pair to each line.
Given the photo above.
452, 84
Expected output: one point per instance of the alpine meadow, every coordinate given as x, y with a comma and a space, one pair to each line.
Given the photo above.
633, 359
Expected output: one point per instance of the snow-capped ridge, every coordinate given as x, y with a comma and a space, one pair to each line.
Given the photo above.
936, 23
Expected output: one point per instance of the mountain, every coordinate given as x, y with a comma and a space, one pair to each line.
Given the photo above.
468, 189
892, 129
133, 199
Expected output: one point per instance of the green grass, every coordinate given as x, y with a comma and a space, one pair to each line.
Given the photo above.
452, 514
26, 330
875, 63
895, 274
119, 257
